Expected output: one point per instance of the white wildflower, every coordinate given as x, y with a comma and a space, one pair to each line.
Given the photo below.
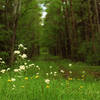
25, 63
47, 81
47, 74
2, 62
55, 73
24, 56
37, 73
70, 72
37, 66
20, 46
8, 69
50, 66
14, 85
22, 67
3, 71
16, 70
62, 71
20, 55
16, 52
0, 58
13, 79
70, 65
26, 66
51, 73
32, 64
25, 48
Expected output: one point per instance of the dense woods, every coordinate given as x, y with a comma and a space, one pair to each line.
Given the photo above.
19, 23
73, 27
70, 30
49, 49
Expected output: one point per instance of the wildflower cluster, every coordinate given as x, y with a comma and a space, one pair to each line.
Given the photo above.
5, 70
47, 81
21, 46
25, 66
12, 80
83, 75
1, 61
52, 73
18, 52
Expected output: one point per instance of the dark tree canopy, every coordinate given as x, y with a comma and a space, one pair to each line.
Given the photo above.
70, 29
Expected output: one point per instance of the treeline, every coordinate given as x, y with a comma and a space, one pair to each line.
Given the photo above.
19, 23
72, 29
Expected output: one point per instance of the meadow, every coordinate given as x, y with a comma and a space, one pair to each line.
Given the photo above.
44, 79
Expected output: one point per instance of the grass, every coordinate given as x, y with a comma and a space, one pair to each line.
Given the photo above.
36, 89
30, 84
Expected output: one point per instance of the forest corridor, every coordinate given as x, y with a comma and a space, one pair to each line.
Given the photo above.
49, 49
69, 29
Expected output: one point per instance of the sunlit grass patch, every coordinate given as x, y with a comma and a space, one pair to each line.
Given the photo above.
47, 80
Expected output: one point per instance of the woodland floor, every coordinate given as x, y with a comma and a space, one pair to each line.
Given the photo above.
51, 78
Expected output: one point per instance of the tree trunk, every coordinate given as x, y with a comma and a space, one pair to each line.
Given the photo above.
91, 27
16, 12
73, 33
68, 33
97, 16
13, 42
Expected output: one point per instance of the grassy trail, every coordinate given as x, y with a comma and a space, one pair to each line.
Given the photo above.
55, 79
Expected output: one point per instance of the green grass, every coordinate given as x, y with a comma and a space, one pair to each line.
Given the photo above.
35, 89
28, 87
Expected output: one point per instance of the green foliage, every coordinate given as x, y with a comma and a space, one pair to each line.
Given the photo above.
30, 27
30, 83
68, 30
